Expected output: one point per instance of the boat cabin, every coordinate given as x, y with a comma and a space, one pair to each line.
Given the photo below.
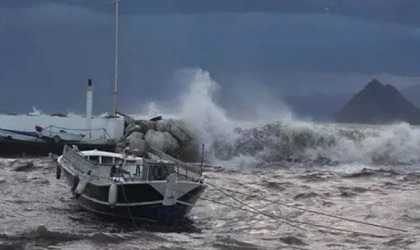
132, 168
109, 158
105, 165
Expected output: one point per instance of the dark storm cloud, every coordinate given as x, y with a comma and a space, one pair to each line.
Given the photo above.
52, 48
399, 11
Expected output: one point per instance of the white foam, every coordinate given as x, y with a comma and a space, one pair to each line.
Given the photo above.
214, 126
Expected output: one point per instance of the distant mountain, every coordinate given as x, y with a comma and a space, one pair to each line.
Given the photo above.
412, 94
378, 104
320, 107
323, 107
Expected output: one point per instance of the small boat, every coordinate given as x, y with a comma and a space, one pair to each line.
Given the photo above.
57, 135
9, 134
117, 185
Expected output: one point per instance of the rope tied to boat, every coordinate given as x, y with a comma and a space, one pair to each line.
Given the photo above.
128, 208
291, 221
307, 210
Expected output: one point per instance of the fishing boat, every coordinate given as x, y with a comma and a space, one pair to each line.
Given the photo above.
159, 189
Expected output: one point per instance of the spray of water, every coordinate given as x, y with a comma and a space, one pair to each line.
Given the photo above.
268, 133
264, 130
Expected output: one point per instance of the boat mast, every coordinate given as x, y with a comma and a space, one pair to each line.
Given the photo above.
116, 58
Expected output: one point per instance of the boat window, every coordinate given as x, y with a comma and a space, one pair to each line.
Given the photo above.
106, 160
94, 158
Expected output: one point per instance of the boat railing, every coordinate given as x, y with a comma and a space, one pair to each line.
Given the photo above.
183, 168
77, 161
154, 170
147, 170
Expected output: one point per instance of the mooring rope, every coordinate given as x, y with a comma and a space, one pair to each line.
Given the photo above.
234, 207
308, 210
128, 208
303, 222
283, 220
289, 221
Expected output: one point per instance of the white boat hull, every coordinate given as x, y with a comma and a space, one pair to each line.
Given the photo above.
60, 136
9, 134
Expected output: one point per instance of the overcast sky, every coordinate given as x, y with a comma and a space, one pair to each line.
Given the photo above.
48, 48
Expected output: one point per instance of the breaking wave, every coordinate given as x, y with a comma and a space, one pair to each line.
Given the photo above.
265, 131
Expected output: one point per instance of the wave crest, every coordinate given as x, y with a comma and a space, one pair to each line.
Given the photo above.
263, 130
275, 135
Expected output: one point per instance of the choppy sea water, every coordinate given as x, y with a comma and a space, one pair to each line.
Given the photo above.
38, 212
365, 173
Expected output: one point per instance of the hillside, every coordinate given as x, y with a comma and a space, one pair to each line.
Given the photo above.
412, 94
378, 104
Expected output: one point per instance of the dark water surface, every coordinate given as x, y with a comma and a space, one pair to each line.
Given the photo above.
38, 212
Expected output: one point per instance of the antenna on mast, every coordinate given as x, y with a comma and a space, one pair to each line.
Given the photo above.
116, 56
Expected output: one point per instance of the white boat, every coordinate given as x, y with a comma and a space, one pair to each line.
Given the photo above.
57, 135
9, 134
117, 185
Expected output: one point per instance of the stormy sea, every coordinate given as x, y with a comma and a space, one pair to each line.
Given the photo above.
274, 182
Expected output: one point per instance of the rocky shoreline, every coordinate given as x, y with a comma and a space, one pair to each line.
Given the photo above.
270, 144
169, 136
264, 145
